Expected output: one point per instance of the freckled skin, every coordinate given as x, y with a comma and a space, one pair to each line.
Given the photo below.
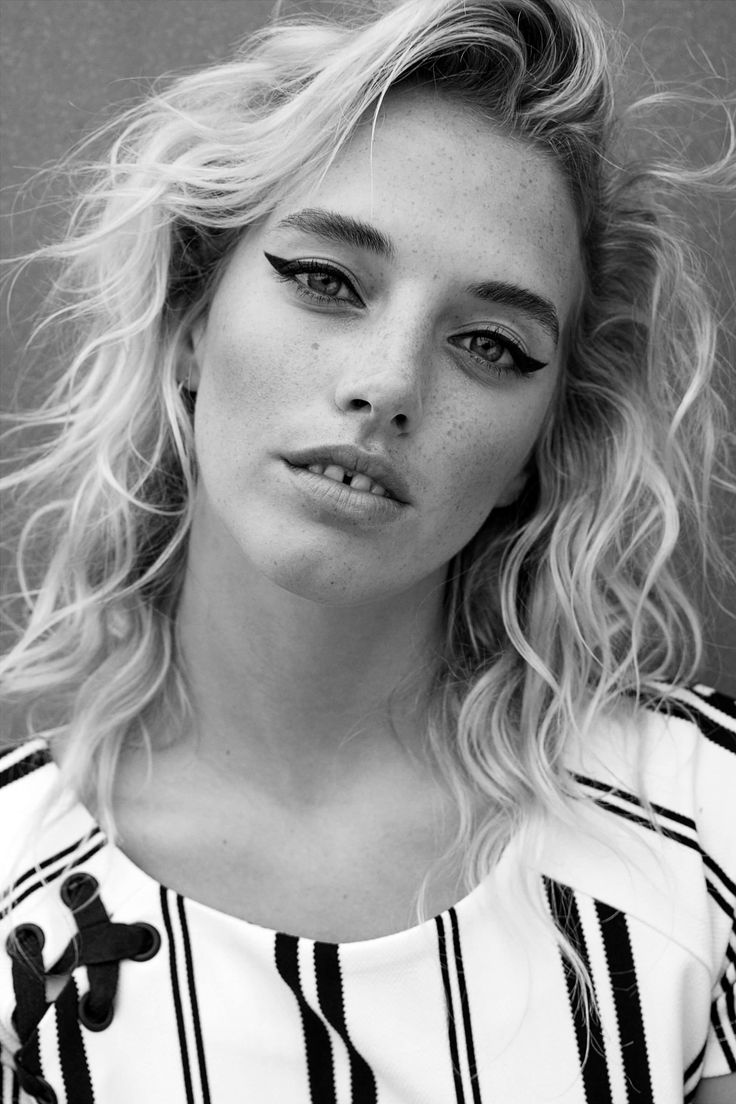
274, 373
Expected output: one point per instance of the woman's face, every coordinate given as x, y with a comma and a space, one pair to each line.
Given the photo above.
400, 320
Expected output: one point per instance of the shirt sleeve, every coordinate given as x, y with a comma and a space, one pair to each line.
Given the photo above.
715, 715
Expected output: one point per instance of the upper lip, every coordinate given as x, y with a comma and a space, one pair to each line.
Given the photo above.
373, 464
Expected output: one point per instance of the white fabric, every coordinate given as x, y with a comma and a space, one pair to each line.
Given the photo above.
229, 1011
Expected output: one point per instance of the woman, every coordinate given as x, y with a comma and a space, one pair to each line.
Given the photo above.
360, 763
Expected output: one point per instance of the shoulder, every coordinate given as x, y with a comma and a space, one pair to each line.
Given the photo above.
699, 734
691, 759
18, 762
679, 745
27, 775
710, 715
672, 761
658, 839
40, 822
26, 778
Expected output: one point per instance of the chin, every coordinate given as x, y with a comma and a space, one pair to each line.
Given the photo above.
328, 584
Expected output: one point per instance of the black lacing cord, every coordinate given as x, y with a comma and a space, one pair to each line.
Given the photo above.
99, 944
25, 944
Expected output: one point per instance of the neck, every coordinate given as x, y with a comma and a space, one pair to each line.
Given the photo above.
290, 694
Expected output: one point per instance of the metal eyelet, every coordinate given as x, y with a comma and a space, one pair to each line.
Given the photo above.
77, 889
92, 1023
19, 938
151, 944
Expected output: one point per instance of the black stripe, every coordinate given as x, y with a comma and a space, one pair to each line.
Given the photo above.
719, 900
720, 874
677, 837
614, 791
712, 730
25, 766
42, 882
589, 1037
694, 1065
330, 995
645, 822
722, 702
731, 951
451, 1033
194, 1003
621, 966
74, 1065
723, 1041
730, 1008
465, 1005
176, 993
320, 1068
46, 863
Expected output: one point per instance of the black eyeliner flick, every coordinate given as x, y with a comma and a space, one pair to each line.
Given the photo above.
279, 263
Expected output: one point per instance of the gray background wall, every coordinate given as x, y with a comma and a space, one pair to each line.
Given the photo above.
64, 64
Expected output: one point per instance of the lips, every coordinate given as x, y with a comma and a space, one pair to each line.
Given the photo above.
365, 471
358, 481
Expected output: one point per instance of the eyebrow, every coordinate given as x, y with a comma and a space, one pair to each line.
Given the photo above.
332, 226
510, 295
344, 229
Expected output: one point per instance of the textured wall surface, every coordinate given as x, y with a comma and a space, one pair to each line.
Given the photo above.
66, 64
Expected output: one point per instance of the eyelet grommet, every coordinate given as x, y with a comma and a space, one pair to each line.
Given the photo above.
92, 1023
77, 889
19, 938
151, 943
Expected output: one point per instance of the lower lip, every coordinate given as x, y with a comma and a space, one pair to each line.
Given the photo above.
339, 501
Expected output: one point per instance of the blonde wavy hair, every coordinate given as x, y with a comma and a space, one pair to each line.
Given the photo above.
563, 608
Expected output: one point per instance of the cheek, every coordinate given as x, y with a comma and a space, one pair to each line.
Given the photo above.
250, 375
495, 446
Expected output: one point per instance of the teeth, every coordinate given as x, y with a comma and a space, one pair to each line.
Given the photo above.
361, 482
357, 481
334, 472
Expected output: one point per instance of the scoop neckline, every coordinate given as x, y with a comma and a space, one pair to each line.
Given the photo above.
413, 933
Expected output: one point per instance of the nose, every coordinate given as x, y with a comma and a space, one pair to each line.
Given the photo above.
384, 388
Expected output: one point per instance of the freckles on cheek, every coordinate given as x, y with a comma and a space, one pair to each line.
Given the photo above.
481, 477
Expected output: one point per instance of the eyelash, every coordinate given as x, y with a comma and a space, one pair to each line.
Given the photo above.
287, 271
523, 364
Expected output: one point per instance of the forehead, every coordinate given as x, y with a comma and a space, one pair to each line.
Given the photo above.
456, 195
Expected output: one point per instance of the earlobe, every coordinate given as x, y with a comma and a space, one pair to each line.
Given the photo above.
189, 370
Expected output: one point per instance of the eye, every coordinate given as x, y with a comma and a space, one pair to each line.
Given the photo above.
498, 352
315, 279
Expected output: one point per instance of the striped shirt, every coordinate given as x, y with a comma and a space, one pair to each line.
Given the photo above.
153, 998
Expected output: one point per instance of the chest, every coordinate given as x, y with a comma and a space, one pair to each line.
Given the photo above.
349, 872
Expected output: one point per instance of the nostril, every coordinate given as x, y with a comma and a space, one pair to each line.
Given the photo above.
400, 421
359, 404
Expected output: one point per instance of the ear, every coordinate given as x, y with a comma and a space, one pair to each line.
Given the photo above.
189, 370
